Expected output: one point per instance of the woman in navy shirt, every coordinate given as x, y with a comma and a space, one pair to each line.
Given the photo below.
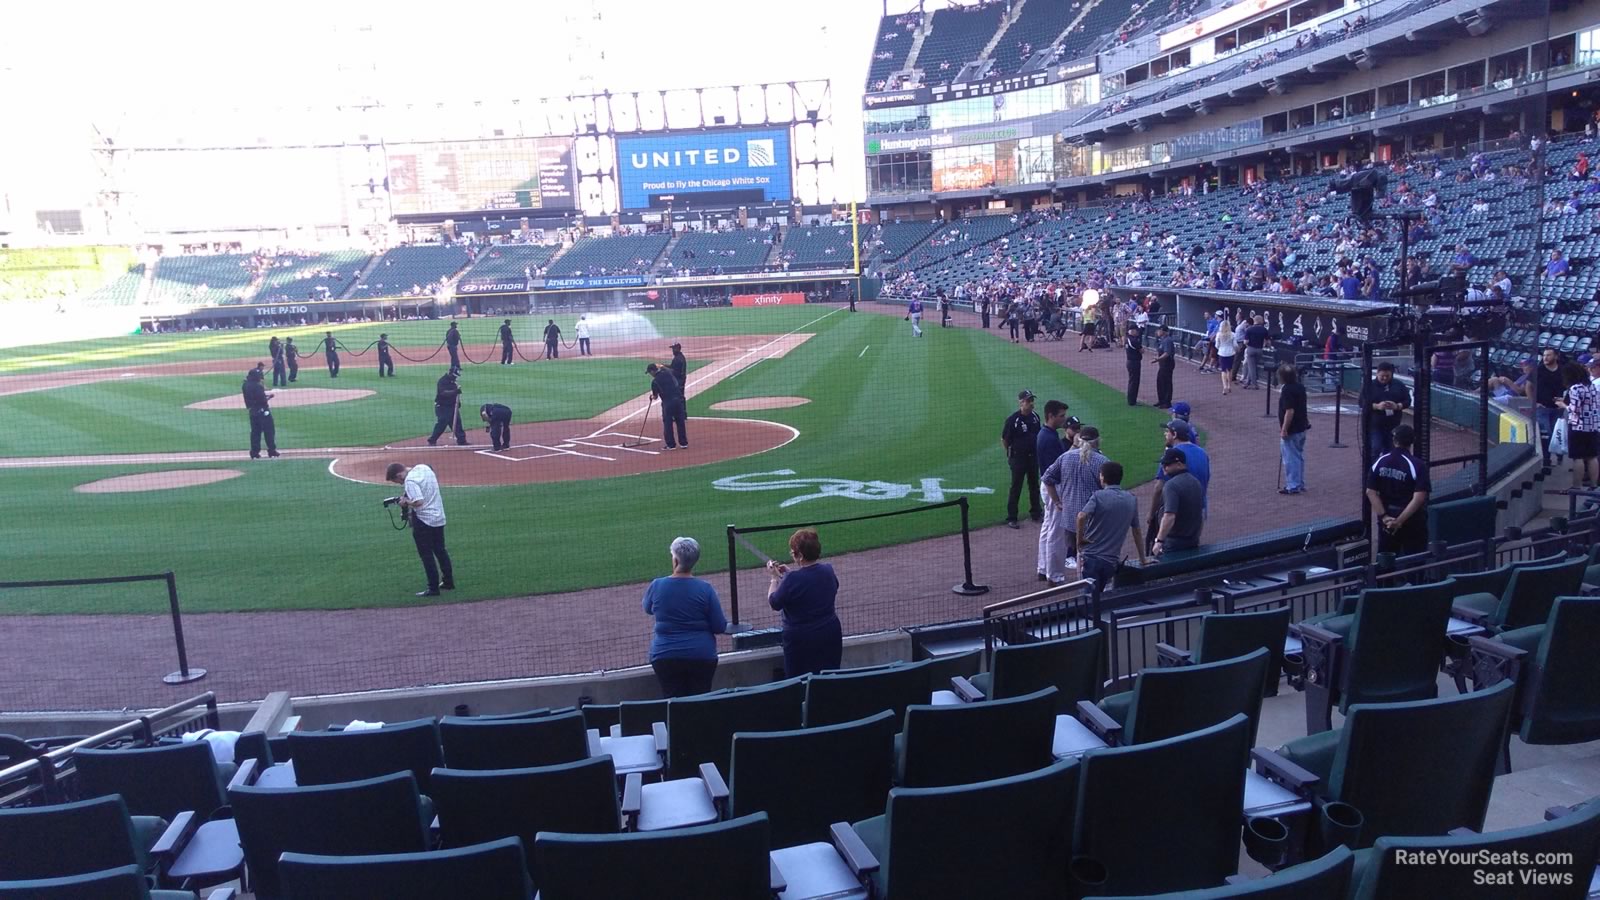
804, 593
688, 616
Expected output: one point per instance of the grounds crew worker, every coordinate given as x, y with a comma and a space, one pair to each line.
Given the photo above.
552, 340
497, 421
275, 347
667, 389
447, 410
679, 365
452, 342
385, 361
291, 356
505, 343
255, 400
331, 350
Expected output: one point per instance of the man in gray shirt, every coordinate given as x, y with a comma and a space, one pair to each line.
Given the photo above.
1104, 521
1181, 500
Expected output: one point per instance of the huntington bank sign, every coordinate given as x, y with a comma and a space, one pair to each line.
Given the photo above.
754, 162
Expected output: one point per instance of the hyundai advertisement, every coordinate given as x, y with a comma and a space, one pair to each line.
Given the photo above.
704, 168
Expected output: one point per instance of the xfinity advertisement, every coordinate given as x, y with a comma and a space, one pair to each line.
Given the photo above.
699, 169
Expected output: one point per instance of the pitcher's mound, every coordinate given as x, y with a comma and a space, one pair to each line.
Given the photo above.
761, 403
157, 481
287, 397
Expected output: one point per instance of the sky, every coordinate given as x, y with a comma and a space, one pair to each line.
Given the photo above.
67, 69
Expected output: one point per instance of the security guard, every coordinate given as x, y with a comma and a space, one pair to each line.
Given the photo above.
291, 357
497, 421
385, 361
331, 351
505, 343
1020, 438
447, 410
679, 365
1397, 489
452, 342
1133, 346
552, 340
275, 347
255, 400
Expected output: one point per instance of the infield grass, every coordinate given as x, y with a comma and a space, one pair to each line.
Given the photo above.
886, 409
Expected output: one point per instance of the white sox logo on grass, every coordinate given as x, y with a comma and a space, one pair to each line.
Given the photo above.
927, 490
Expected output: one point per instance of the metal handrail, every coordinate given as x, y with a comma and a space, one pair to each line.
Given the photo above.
142, 725
1049, 592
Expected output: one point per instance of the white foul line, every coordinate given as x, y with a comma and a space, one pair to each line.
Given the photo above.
498, 456
704, 375
863, 351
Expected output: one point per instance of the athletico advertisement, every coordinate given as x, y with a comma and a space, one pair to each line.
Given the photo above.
740, 166
768, 299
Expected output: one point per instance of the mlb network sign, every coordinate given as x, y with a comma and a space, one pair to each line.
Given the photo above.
704, 162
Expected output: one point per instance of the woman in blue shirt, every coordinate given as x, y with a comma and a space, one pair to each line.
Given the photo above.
805, 592
688, 615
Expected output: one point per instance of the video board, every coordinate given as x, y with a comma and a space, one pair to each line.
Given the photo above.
500, 174
741, 165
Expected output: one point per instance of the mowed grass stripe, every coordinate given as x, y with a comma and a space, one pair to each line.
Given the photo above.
288, 535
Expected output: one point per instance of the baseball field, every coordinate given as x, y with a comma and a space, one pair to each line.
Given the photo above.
797, 413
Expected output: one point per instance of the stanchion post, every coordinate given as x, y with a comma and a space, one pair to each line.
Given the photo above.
967, 587
733, 576
184, 674
1338, 411
1272, 375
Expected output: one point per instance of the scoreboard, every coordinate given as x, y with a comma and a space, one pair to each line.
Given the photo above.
474, 176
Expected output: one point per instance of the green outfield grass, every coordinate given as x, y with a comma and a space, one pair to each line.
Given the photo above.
885, 408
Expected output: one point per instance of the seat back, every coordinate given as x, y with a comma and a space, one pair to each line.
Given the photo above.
1074, 666
637, 716
1423, 766
377, 815
1533, 588
1396, 643
974, 742
943, 668
154, 781
1327, 878
1563, 704
1489, 581
702, 728
1574, 837
512, 743
1007, 837
846, 697
481, 805
122, 883
494, 870
723, 861
809, 778
1170, 702
65, 839
1227, 635
1165, 816
332, 757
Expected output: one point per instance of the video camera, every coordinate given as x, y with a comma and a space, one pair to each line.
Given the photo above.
405, 511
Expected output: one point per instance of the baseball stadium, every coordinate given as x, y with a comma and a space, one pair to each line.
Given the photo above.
520, 477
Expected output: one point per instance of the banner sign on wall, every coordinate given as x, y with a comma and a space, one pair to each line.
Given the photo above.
741, 164
597, 281
768, 299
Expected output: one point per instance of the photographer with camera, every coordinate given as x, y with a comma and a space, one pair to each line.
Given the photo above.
424, 508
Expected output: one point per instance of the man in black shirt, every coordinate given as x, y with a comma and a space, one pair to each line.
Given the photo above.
1292, 427
664, 386
552, 340
1547, 386
1182, 501
331, 354
1166, 359
452, 343
679, 365
255, 400
385, 361
497, 421
1256, 339
506, 343
279, 378
1383, 403
447, 410
1133, 346
1020, 438
1397, 488
291, 357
